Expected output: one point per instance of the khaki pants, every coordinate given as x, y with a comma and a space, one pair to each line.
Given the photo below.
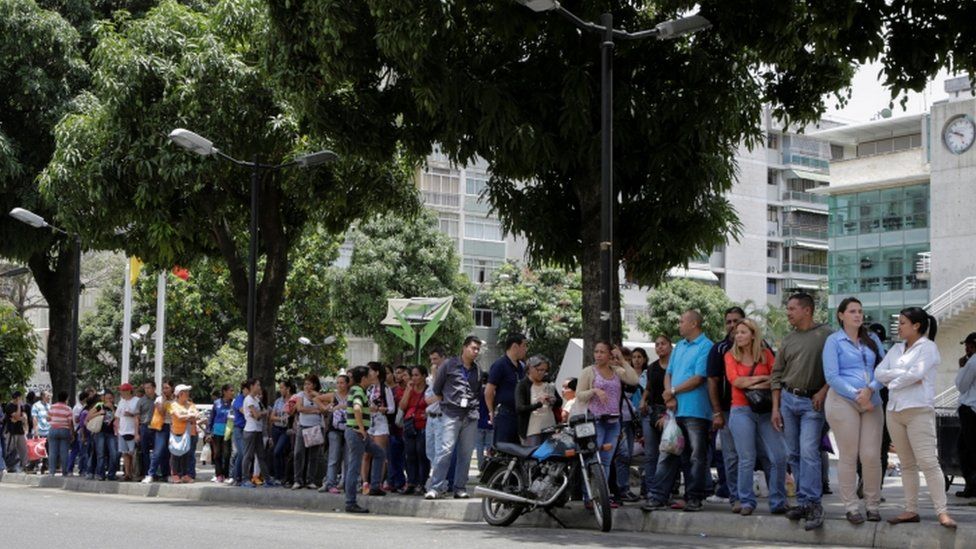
858, 436
913, 433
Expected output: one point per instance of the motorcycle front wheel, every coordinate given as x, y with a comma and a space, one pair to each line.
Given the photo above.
599, 495
499, 512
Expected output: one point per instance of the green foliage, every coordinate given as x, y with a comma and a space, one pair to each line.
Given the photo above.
229, 364
403, 257
17, 348
542, 303
668, 301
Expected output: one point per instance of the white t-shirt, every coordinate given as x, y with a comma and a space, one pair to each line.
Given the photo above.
251, 423
127, 425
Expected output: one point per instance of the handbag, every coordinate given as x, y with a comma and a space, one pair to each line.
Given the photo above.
760, 400
156, 424
180, 444
312, 436
94, 424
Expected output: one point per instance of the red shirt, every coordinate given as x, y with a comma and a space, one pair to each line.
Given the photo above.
416, 410
734, 369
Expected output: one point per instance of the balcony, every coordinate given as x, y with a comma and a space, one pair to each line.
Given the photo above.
806, 233
805, 268
807, 198
445, 200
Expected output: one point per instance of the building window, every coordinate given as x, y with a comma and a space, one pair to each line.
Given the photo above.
480, 270
440, 187
631, 314
771, 251
483, 229
771, 286
475, 183
772, 141
836, 152
484, 318
771, 178
890, 144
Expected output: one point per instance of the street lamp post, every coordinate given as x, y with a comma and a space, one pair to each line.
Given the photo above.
662, 31
204, 147
34, 220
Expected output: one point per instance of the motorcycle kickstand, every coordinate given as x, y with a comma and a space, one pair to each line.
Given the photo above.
555, 518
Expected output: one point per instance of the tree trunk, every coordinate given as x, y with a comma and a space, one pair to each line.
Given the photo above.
55, 279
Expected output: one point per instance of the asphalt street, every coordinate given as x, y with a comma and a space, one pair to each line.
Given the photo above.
36, 517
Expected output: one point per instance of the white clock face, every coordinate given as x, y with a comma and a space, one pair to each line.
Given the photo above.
959, 134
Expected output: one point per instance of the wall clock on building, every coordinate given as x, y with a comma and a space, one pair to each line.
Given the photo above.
959, 134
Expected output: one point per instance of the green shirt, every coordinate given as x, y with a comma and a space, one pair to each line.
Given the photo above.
357, 395
799, 362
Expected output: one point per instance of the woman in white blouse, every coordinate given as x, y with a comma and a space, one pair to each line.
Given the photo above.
908, 370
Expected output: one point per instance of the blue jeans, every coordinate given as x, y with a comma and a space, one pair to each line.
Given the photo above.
695, 431
434, 431
3, 451
652, 451
337, 442
803, 429
482, 443
505, 427
396, 462
107, 450
730, 459
607, 432
147, 439
85, 450
750, 428
621, 461
281, 448
159, 466
356, 447
58, 441
458, 436
238, 462
418, 466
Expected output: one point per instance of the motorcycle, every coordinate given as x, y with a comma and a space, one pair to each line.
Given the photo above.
520, 479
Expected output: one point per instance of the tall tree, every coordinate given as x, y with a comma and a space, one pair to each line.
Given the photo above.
17, 348
203, 67
667, 302
522, 90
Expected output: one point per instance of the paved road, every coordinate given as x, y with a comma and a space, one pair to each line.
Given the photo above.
33, 517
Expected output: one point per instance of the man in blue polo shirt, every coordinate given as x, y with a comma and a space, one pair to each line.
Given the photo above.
504, 375
686, 393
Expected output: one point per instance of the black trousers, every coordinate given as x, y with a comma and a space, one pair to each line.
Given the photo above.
967, 445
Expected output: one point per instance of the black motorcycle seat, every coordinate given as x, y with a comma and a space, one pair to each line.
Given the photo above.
517, 450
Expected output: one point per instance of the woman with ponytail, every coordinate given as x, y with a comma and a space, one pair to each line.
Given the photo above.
853, 408
908, 370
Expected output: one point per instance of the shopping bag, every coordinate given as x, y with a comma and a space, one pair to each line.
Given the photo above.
36, 449
672, 439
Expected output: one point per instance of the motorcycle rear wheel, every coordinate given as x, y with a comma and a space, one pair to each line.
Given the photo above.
599, 496
498, 512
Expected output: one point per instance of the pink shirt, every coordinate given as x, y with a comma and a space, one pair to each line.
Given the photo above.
60, 416
610, 406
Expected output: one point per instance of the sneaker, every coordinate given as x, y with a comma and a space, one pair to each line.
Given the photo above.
247, 484
461, 495
716, 499
694, 505
216, 480
873, 516
653, 505
323, 489
229, 481
796, 513
678, 504
312, 486
815, 518
854, 517
355, 508
431, 494
147, 480
297, 486
746, 511
376, 492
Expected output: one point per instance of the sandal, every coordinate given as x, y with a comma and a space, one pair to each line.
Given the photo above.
905, 517
946, 520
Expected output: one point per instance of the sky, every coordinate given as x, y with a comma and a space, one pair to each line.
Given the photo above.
869, 97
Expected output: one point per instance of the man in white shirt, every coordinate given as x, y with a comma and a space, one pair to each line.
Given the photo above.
966, 383
128, 414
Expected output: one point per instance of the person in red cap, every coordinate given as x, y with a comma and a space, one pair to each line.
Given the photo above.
128, 414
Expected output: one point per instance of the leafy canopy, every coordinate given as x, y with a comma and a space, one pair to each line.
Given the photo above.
667, 302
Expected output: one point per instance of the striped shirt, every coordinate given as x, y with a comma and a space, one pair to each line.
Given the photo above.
60, 416
357, 396
40, 412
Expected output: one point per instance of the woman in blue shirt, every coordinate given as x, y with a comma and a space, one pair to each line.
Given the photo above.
220, 444
853, 408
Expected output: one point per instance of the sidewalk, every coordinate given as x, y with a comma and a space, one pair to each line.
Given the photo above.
715, 521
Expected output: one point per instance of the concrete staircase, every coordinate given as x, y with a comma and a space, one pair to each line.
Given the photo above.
955, 311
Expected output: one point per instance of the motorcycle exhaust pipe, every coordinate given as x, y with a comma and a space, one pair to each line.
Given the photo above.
504, 496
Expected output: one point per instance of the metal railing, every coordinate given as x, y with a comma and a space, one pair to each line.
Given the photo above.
958, 297
805, 232
805, 268
800, 196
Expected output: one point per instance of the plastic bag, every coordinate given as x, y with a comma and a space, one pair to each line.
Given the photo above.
672, 439
759, 486
206, 454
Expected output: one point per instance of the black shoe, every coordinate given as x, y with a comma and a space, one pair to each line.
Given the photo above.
653, 505
796, 513
408, 491
779, 510
826, 490
355, 508
693, 505
815, 518
376, 492
629, 497
854, 517
874, 516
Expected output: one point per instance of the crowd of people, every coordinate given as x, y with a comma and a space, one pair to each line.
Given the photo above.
413, 430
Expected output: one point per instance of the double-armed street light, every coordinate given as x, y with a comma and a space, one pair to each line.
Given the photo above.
38, 222
204, 147
662, 31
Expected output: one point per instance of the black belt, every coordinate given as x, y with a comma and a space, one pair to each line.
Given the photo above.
805, 393
434, 414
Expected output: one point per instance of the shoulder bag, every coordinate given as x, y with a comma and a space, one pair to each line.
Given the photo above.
760, 400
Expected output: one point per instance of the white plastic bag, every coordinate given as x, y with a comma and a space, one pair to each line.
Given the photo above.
205, 454
759, 486
672, 439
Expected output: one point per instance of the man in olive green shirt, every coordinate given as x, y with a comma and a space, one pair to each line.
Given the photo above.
799, 390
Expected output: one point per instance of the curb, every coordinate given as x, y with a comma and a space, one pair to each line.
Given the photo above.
717, 524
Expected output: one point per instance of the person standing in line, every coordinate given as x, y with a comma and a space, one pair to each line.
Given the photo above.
686, 394
183, 414
18, 419
75, 451
337, 434
486, 432
414, 408
146, 435
966, 384
536, 402
60, 435
457, 386
396, 460
381, 402
161, 423
106, 440
434, 431
280, 419
853, 408
748, 365
40, 412
358, 441
629, 423
219, 423
237, 435
86, 452
309, 412
909, 370
799, 390
254, 416
503, 377
128, 414
720, 396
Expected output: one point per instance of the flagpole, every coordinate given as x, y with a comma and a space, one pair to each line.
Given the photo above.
160, 326
127, 321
